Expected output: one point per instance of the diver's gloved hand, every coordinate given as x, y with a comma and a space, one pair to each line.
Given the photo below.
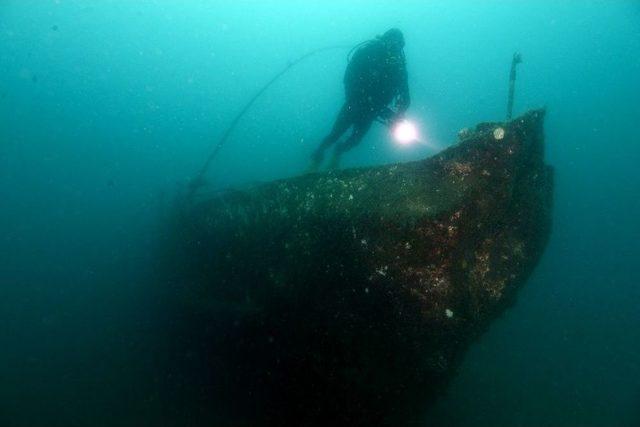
388, 116
398, 117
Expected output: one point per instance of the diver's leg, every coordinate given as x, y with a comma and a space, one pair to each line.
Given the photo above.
340, 126
360, 129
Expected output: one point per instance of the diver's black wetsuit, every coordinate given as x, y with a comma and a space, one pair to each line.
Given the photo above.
375, 76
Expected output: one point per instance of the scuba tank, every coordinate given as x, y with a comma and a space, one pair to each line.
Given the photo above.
359, 46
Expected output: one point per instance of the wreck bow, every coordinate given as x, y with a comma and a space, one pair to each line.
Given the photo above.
350, 297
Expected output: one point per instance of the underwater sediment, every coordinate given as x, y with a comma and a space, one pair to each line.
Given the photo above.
350, 297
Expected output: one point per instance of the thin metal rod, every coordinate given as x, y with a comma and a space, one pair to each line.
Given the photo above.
512, 83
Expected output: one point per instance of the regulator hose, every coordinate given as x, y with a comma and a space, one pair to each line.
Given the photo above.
198, 180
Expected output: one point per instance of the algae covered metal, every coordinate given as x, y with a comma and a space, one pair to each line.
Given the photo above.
350, 297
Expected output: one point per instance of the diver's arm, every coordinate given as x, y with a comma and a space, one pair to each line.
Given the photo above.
403, 100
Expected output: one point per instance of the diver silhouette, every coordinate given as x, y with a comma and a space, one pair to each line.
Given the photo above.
375, 76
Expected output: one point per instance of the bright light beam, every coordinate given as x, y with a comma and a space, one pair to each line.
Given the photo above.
405, 133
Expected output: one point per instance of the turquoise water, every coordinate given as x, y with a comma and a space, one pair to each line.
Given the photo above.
109, 108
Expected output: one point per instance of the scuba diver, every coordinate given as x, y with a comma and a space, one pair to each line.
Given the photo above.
375, 76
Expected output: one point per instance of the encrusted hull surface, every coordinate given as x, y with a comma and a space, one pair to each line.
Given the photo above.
349, 298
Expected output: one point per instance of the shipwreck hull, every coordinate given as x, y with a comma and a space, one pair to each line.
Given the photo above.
350, 297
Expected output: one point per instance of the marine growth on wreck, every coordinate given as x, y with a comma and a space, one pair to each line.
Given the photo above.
350, 297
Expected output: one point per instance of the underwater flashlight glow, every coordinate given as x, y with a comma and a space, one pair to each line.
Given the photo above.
405, 132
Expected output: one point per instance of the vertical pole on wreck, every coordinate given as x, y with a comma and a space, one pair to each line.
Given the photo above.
512, 83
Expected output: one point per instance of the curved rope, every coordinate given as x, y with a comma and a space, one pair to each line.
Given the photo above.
198, 181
